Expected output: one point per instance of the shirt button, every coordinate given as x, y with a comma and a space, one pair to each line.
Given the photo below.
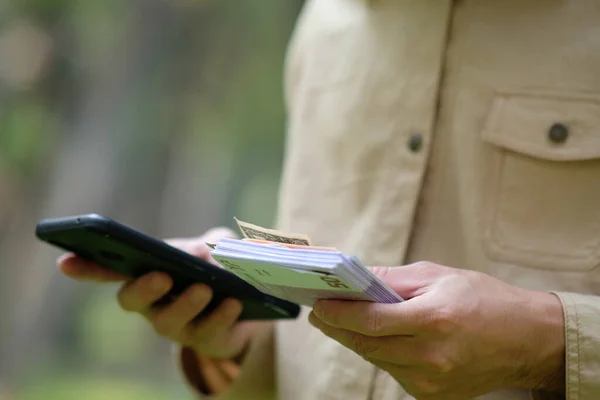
558, 133
415, 142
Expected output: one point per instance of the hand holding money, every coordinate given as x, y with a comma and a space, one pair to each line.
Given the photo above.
461, 333
287, 266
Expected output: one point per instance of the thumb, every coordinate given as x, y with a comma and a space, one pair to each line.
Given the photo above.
215, 234
197, 246
410, 280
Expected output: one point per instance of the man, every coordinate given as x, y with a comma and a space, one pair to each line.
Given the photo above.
466, 133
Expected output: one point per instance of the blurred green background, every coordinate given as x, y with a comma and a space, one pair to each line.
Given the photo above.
165, 114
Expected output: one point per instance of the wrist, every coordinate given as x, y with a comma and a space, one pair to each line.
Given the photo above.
546, 361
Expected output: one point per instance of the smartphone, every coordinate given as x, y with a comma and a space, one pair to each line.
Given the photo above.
133, 254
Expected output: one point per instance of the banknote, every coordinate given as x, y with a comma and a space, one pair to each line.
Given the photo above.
252, 231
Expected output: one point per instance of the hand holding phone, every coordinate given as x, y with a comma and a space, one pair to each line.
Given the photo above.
132, 254
218, 335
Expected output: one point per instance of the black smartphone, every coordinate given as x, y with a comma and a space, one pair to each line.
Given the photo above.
133, 254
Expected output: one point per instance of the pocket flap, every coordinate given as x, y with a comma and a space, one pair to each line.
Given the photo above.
522, 123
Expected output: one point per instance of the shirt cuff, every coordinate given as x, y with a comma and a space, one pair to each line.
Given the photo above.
582, 347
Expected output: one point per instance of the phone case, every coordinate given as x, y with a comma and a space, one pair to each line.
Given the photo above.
132, 253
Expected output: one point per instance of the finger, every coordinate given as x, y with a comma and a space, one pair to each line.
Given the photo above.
213, 235
197, 246
374, 319
216, 379
219, 322
173, 318
411, 280
192, 246
230, 368
392, 349
84, 270
139, 295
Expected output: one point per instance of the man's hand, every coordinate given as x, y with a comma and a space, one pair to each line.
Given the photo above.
217, 336
460, 334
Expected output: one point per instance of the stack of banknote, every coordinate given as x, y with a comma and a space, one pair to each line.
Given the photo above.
288, 266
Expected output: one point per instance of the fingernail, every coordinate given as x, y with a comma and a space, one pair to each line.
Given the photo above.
63, 258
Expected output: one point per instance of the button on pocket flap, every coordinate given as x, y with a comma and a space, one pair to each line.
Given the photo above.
548, 126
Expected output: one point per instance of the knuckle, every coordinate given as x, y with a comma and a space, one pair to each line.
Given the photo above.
203, 334
161, 325
229, 316
425, 270
211, 325
445, 320
220, 320
362, 347
426, 267
193, 300
429, 270
423, 264
441, 363
216, 320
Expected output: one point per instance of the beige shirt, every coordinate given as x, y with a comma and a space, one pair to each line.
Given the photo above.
465, 133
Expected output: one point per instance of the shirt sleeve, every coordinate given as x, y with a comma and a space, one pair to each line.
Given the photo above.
582, 348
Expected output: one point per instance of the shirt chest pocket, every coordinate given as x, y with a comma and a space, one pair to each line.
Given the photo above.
542, 185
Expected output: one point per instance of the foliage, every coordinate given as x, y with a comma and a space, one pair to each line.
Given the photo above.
165, 114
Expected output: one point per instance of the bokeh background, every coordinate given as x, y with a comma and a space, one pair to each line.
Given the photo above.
167, 115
